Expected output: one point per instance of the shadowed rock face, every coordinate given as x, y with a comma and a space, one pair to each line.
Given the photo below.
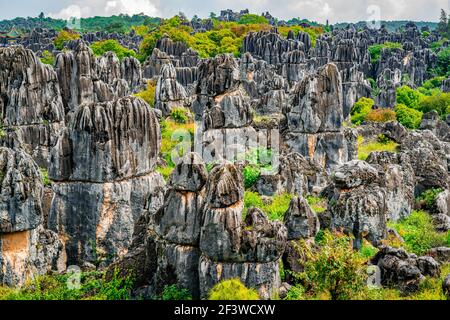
30, 103
25, 246
402, 270
106, 142
103, 163
21, 192
359, 204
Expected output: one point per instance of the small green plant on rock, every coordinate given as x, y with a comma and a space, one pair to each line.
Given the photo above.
232, 290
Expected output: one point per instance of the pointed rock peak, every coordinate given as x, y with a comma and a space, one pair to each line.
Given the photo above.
225, 186
190, 175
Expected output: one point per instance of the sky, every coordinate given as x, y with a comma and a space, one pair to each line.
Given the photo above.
315, 10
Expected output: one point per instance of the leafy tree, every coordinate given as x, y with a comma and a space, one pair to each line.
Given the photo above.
360, 110
444, 62
442, 27
117, 27
376, 49
48, 58
252, 19
333, 268
410, 118
409, 97
101, 47
64, 36
439, 102
232, 290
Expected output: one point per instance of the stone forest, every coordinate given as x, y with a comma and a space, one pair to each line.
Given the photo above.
237, 156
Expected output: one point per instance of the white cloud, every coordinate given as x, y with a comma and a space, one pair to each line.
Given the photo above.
84, 8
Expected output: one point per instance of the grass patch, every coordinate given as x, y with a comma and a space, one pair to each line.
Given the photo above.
93, 286
275, 208
318, 205
418, 232
45, 179
366, 147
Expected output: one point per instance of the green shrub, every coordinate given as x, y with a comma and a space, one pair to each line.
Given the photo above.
180, 115
148, 95
101, 47
418, 232
64, 36
278, 207
333, 268
375, 50
173, 292
45, 179
409, 97
318, 205
252, 19
93, 286
439, 102
408, 117
232, 290
275, 208
360, 110
48, 58
366, 147
251, 174
428, 197
380, 115
444, 62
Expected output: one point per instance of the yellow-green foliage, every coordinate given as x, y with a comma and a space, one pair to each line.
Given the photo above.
318, 205
225, 37
101, 47
170, 131
173, 292
93, 286
381, 115
232, 290
148, 95
408, 117
180, 115
45, 179
418, 232
275, 207
48, 58
376, 49
333, 270
313, 31
360, 110
366, 147
64, 36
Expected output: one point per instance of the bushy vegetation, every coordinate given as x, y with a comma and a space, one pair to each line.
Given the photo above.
318, 205
48, 58
376, 49
409, 97
225, 37
252, 19
418, 232
408, 117
275, 207
380, 144
251, 175
428, 197
232, 289
332, 270
381, 115
45, 179
148, 95
360, 110
64, 36
172, 134
173, 292
101, 47
180, 115
93, 286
